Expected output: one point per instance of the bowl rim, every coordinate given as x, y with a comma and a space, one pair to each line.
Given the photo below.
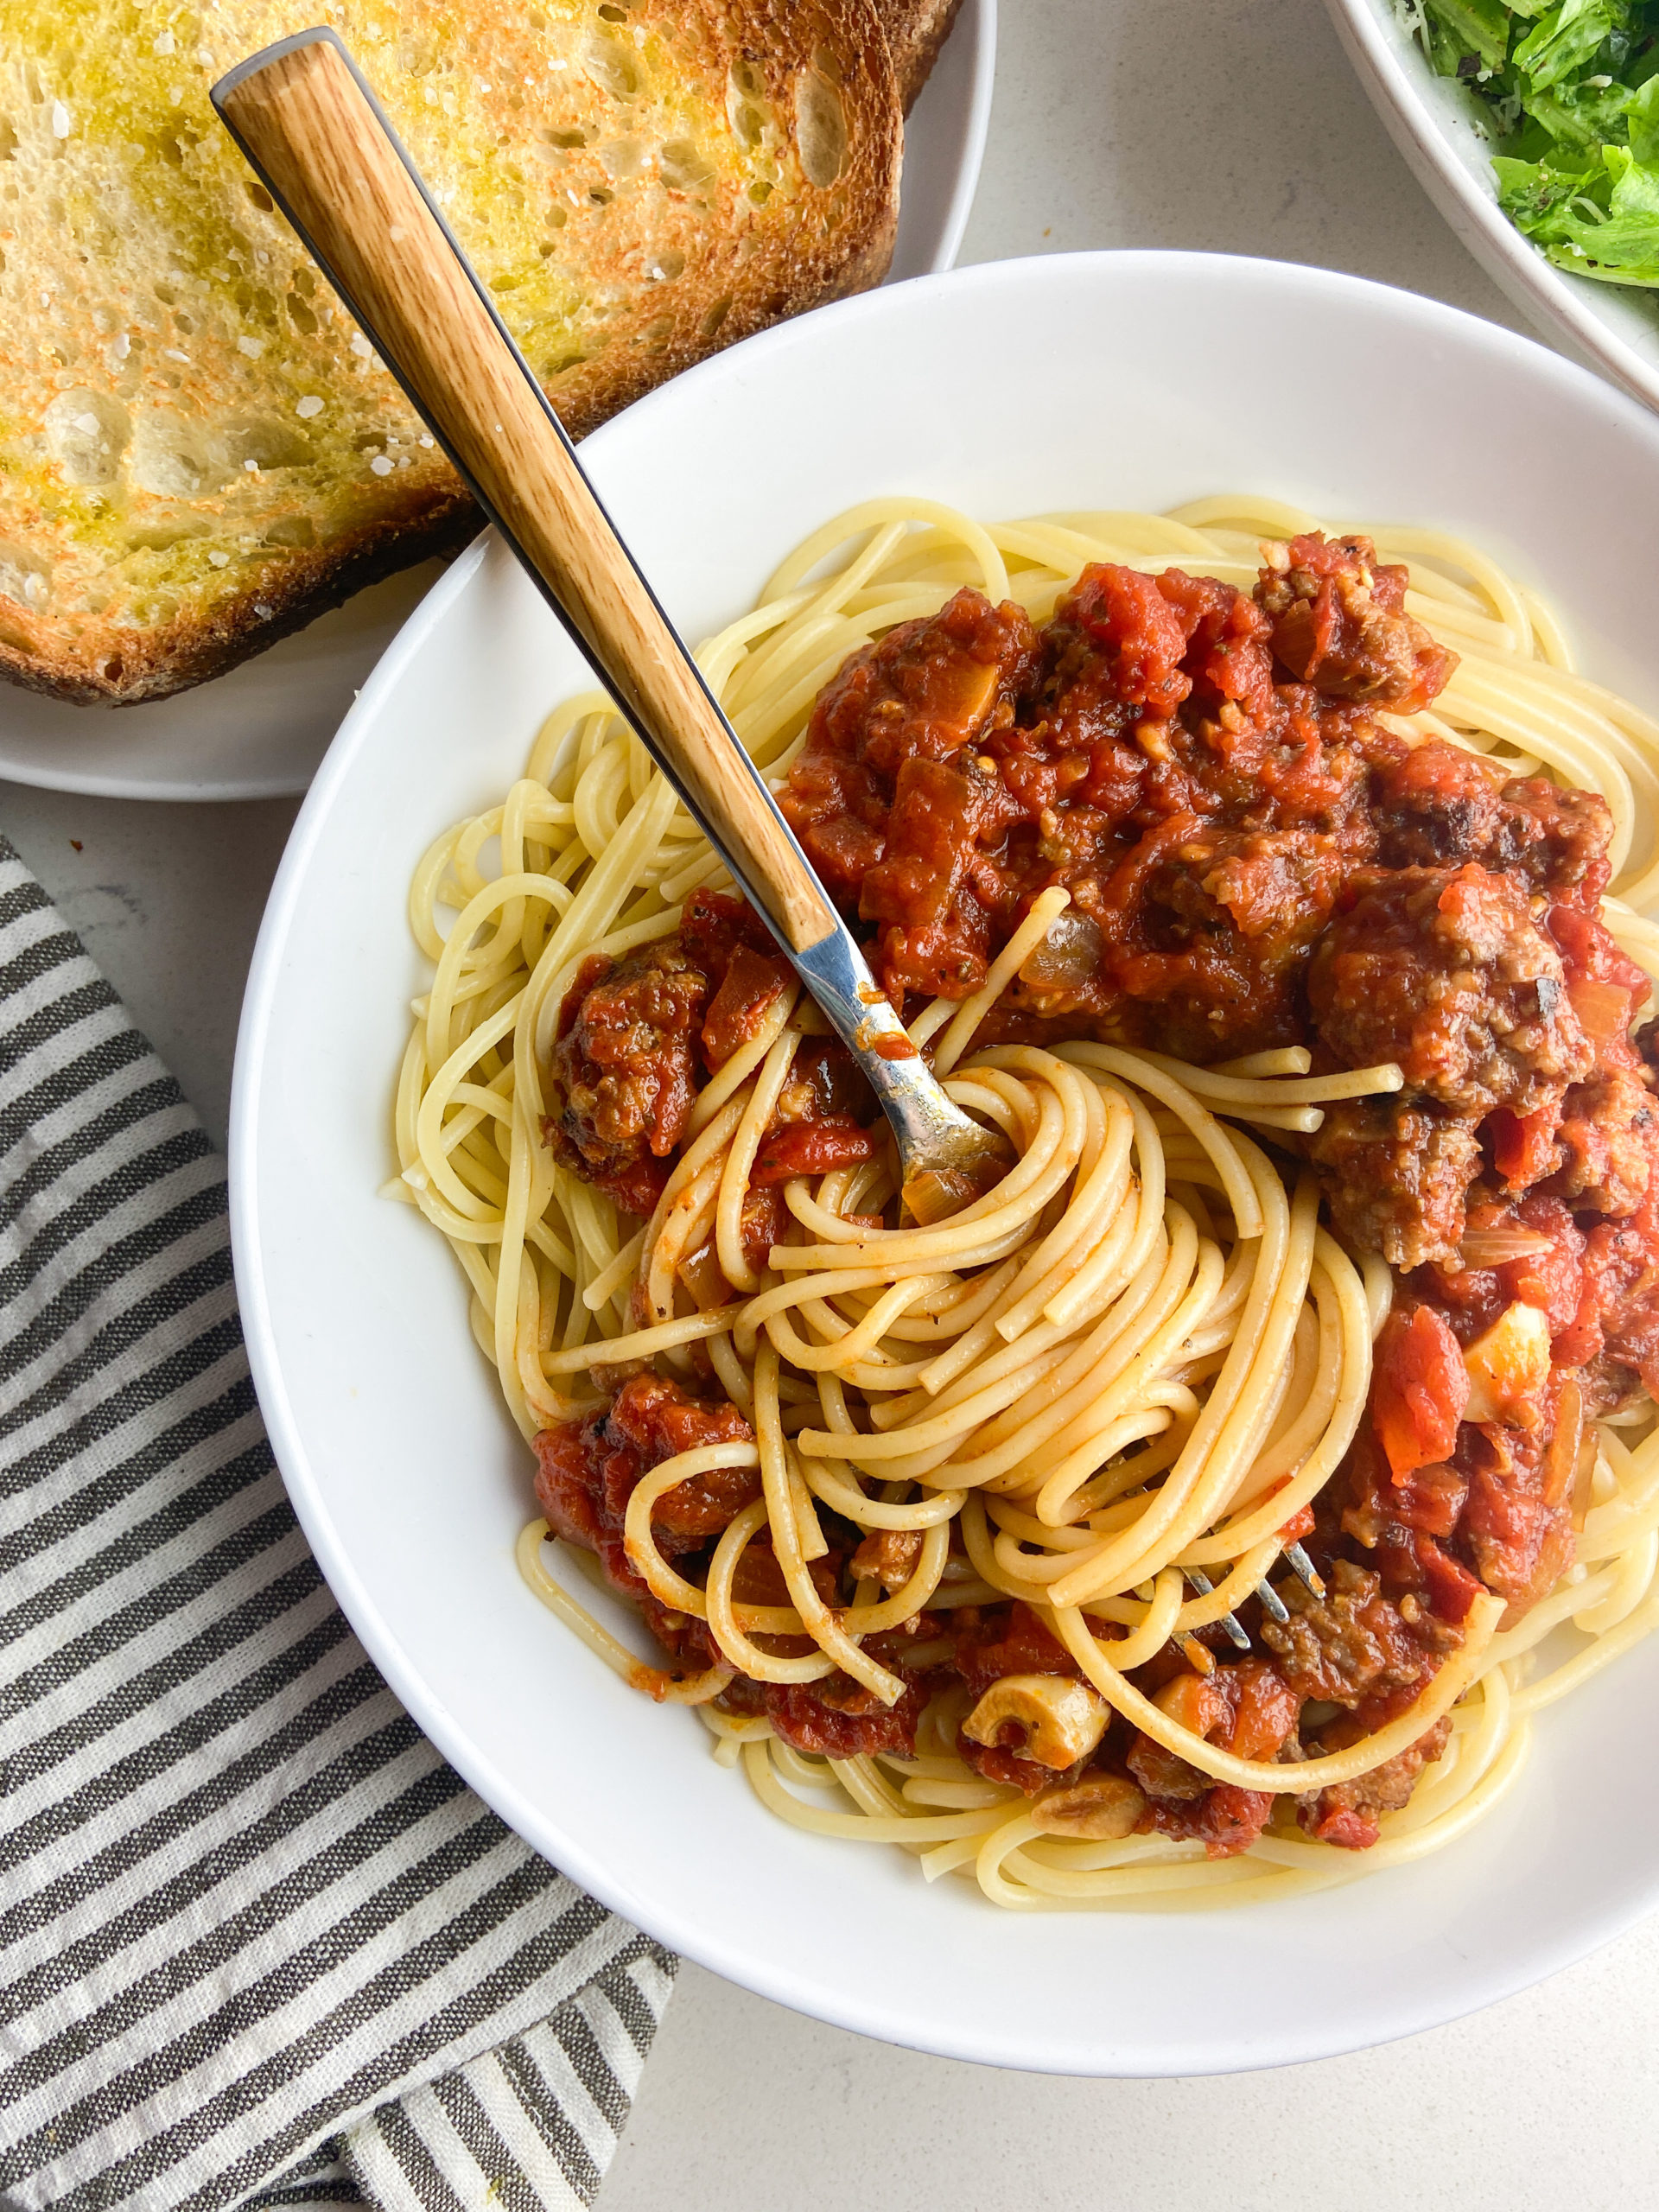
1374, 41
708, 1943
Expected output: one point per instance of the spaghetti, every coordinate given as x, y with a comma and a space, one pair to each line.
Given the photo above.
1070, 1431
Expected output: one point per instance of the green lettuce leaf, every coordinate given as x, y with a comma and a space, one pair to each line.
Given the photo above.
1573, 88
1582, 117
1622, 246
1542, 201
1564, 41
1478, 27
1641, 121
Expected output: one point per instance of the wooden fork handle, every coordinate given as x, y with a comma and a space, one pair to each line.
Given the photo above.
317, 137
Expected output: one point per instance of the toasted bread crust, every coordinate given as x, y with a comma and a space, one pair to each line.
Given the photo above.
916, 31
155, 665
799, 210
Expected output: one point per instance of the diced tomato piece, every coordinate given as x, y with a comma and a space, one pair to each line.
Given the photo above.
1522, 1544
1382, 1504
713, 924
1523, 1144
1602, 1009
765, 1217
1144, 637
810, 1149
586, 1470
1428, 1499
1622, 1265
1591, 954
931, 833
568, 1482
1580, 1341
1350, 1829
844, 851
635, 1187
1017, 1642
1419, 1389
751, 981
1226, 1819
1252, 1709
1266, 1712
1229, 649
1452, 1589
1551, 1279
856, 1726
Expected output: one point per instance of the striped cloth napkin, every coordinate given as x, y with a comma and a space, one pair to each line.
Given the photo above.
258, 1944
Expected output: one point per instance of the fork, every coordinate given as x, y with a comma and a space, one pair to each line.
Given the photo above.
303, 115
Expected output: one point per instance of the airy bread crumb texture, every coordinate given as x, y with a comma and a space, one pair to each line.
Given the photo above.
199, 450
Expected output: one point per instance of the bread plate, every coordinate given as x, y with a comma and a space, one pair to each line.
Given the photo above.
404, 1469
259, 732
1445, 134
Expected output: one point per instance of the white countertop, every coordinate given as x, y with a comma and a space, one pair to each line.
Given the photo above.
1232, 125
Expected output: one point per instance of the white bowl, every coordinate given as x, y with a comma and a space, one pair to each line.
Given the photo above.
1439, 126
1126, 380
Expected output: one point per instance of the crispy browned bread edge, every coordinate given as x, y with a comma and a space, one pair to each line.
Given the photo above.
916, 31
159, 663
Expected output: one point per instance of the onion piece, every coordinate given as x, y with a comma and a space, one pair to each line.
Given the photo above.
1602, 1009
1495, 1248
1068, 956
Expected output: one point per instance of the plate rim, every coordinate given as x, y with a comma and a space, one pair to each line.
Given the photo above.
1595, 1924
976, 25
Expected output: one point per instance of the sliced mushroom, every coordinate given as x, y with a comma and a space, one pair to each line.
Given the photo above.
1101, 1809
1059, 1721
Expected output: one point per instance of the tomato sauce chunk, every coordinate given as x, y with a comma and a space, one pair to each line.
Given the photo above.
1340, 622
811, 1149
586, 1470
1419, 1390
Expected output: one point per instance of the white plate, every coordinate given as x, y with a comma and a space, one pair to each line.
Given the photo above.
260, 731
1158, 378
1437, 125
944, 144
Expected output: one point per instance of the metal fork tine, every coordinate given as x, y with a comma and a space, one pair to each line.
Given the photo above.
1203, 1585
1304, 1569
1271, 1601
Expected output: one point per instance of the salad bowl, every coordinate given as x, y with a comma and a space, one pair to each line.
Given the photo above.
1446, 135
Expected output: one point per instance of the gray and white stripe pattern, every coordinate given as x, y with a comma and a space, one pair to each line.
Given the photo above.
258, 1942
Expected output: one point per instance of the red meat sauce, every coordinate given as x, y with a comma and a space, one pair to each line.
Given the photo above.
638, 1037
1356, 1651
1254, 861
586, 1472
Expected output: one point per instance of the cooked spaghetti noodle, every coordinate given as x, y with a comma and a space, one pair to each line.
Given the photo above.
1112, 1389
